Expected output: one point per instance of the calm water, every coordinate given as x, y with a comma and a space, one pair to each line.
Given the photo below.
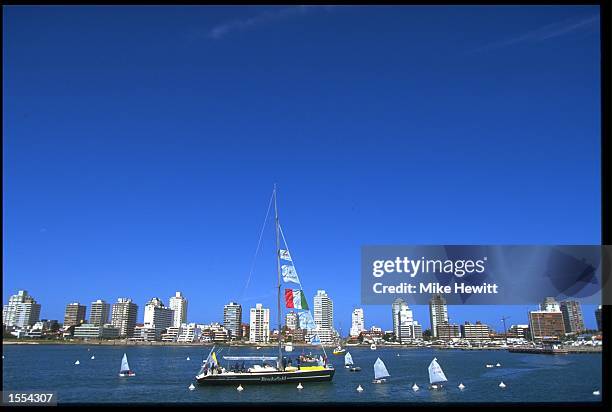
163, 375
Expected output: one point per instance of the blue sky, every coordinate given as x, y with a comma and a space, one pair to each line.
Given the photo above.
141, 145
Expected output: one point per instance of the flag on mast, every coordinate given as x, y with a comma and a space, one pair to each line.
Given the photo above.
295, 299
289, 274
284, 254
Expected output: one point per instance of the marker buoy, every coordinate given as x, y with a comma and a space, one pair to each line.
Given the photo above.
461, 386
77, 363
359, 389
300, 386
415, 387
596, 393
191, 387
93, 356
239, 388
502, 385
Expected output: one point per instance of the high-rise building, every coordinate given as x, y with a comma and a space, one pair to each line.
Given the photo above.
357, 322
572, 316
396, 306
178, 304
74, 314
259, 327
598, 317
21, 310
158, 316
438, 313
232, 319
123, 316
324, 317
546, 324
550, 305
448, 331
100, 310
292, 320
405, 322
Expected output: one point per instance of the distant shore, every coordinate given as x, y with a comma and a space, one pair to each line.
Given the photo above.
570, 349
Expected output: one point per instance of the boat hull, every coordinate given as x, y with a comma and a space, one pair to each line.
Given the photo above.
267, 377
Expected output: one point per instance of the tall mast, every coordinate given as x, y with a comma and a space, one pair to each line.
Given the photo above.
278, 266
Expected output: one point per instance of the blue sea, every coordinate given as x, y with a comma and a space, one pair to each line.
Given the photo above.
163, 374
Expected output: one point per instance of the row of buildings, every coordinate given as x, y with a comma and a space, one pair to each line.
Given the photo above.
552, 320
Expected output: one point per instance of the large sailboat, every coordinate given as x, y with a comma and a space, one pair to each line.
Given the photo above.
271, 369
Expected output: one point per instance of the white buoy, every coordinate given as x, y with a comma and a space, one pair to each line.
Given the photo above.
415, 387
398, 354
596, 393
239, 388
498, 364
191, 387
461, 386
502, 385
359, 389
188, 358
300, 386
93, 356
77, 363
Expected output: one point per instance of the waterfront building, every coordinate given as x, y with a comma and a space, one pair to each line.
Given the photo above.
438, 313
546, 324
216, 332
178, 304
396, 307
91, 331
417, 331
100, 311
123, 316
405, 323
357, 322
171, 334
232, 319
598, 317
259, 325
292, 320
46, 325
158, 316
550, 305
74, 314
324, 317
21, 310
145, 333
447, 331
245, 331
572, 316
518, 332
475, 332
189, 333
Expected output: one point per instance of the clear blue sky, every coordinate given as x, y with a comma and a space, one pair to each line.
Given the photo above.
141, 145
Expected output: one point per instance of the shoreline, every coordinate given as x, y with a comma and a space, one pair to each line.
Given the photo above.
596, 349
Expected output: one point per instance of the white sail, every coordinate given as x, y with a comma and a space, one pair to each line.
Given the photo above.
380, 370
124, 364
435, 372
348, 359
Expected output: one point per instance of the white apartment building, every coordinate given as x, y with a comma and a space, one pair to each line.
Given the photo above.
178, 303
259, 325
357, 322
324, 317
157, 316
21, 310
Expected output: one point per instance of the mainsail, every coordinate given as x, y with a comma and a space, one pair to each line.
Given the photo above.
380, 370
124, 364
348, 359
435, 372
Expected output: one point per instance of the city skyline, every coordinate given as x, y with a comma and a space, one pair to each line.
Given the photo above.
147, 168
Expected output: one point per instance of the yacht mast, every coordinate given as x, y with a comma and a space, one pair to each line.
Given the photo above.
278, 266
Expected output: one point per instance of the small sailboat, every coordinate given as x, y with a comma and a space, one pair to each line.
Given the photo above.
373, 346
348, 363
191, 387
436, 375
339, 350
380, 372
125, 370
359, 388
502, 385
415, 387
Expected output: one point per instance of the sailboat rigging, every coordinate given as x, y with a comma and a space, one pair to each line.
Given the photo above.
212, 373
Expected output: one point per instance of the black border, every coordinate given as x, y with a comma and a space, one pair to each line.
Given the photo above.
606, 231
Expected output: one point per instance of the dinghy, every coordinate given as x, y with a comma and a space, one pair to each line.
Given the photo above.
125, 370
380, 372
436, 375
